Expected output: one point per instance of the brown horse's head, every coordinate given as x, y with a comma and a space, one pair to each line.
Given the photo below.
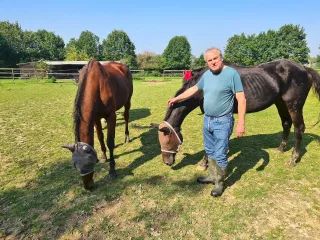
170, 142
84, 159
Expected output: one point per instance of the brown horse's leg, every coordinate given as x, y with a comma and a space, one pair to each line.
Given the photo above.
299, 129
286, 123
99, 131
126, 118
111, 121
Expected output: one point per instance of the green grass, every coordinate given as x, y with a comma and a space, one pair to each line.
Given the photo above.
41, 194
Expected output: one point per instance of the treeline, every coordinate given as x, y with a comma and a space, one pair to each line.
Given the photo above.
17, 46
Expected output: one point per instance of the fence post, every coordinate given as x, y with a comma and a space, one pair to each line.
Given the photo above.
12, 74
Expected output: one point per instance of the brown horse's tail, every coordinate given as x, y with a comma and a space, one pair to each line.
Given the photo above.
315, 77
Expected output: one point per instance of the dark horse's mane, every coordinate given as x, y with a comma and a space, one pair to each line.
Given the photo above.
196, 76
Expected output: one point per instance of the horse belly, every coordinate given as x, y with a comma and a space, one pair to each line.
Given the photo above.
260, 100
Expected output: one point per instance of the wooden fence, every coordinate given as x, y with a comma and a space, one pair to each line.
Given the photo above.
24, 73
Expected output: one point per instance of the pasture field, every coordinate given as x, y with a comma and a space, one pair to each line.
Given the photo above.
41, 194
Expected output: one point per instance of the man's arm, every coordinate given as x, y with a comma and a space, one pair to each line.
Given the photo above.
185, 95
241, 113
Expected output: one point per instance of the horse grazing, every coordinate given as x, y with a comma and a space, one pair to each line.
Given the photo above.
283, 83
103, 89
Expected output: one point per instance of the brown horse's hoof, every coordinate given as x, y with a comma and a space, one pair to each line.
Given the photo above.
127, 139
103, 158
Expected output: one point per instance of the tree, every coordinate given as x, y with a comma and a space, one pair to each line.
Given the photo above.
88, 43
266, 47
292, 43
289, 42
13, 35
241, 50
73, 53
318, 60
43, 45
5, 52
118, 46
149, 61
177, 54
201, 62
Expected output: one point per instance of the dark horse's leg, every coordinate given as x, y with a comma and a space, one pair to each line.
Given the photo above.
99, 131
286, 123
299, 128
111, 121
126, 118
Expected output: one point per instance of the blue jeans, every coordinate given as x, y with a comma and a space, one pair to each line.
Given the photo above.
216, 134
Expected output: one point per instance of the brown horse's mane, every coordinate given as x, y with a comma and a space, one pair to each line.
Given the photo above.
77, 117
77, 102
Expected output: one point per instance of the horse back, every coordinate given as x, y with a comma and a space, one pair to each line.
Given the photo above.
265, 83
119, 79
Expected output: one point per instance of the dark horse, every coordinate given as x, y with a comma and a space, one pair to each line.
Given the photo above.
283, 83
103, 89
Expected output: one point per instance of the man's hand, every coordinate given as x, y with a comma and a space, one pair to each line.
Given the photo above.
172, 101
240, 129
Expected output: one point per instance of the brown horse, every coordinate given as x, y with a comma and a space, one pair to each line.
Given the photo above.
103, 89
283, 83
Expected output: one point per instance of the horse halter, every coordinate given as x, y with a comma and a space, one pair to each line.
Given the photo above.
177, 137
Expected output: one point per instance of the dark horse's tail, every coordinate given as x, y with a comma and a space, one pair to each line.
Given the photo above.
315, 77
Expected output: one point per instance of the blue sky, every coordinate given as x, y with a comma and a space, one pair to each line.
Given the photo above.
151, 24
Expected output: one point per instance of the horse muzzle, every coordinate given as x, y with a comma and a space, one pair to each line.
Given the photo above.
168, 158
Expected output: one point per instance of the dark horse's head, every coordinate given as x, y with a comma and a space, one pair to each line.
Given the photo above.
169, 134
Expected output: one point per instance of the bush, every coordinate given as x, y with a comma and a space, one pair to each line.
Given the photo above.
52, 79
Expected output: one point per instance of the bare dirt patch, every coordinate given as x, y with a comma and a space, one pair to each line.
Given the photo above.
155, 82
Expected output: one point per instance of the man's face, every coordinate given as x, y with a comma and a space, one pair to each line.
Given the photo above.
214, 60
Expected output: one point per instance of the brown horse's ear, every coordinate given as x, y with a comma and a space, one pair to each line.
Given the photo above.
165, 130
154, 125
70, 147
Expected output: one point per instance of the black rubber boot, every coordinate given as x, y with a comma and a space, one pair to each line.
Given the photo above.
211, 173
220, 176
203, 165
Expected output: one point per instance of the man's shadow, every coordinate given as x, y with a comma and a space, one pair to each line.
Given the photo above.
251, 151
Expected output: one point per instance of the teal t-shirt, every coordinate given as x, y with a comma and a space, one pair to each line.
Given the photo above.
219, 91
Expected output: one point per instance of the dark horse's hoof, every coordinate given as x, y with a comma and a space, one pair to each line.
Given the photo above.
113, 174
292, 163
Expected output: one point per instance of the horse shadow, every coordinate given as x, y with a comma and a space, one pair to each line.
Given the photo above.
252, 151
134, 114
149, 149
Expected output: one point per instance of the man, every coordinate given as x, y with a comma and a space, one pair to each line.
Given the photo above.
220, 85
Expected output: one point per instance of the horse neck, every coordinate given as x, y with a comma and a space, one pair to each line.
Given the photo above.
88, 102
180, 111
